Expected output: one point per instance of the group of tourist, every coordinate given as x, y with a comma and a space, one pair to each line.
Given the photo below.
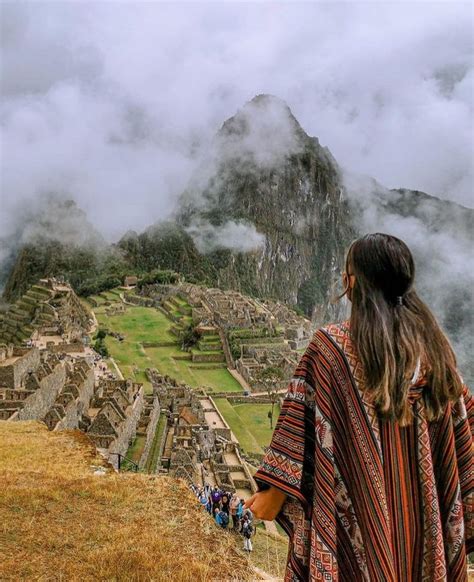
228, 511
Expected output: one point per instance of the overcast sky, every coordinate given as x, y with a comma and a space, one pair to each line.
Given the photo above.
109, 102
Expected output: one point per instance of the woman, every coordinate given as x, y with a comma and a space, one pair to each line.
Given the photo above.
370, 469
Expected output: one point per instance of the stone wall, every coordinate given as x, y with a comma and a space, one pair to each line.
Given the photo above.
38, 404
208, 357
150, 432
162, 446
128, 428
248, 399
77, 406
13, 375
66, 348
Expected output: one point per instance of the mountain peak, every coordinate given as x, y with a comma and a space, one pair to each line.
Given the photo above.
266, 116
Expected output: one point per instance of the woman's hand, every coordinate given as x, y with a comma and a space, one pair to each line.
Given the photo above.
266, 504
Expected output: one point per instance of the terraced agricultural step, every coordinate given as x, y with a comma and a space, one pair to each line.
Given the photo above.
211, 338
10, 325
27, 300
207, 366
45, 293
45, 318
209, 347
18, 313
261, 340
182, 357
21, 336
199, 356
25, 306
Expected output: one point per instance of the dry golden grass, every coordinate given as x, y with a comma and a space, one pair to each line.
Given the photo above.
62, 522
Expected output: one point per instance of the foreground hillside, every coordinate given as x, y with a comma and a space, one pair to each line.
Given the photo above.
64, 516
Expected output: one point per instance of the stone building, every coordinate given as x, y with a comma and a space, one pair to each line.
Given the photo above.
197, 444
70, 409
246, 334
29, 382
130, 281
255, 360
115, 412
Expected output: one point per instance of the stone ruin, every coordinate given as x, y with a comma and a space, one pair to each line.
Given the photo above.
30, 381
197, 443
39, 385
47, 309
114, 414
130, 281
297, 329
245, 333
255, 359
55, 377
70, 409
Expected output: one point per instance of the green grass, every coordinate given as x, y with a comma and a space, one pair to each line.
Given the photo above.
197, 351
241, 429
98, 300
210, 339
249, 423
269, 553
145, 324
218, 380
112, 295
182, 302
141, 323
153, 456
256, 417
135, 451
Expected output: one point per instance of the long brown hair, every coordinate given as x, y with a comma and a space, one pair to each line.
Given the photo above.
393, 330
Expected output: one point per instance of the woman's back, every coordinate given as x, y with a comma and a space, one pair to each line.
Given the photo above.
367, 498
373, 447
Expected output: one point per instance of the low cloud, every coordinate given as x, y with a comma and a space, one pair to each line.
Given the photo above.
442, 246
235, 235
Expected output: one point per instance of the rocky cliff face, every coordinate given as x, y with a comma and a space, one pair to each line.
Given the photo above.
284, 190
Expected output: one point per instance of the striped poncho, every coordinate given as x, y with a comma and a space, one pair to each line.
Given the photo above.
367, 499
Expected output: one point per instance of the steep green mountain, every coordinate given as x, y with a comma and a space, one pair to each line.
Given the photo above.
281, 191
57, 240
166, 246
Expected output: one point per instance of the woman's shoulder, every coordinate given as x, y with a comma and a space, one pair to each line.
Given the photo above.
332, 344
338, 332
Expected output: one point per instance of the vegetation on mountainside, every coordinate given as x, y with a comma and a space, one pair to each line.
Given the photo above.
166, 246
158, 276
61, 520
99, 344
88, 270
